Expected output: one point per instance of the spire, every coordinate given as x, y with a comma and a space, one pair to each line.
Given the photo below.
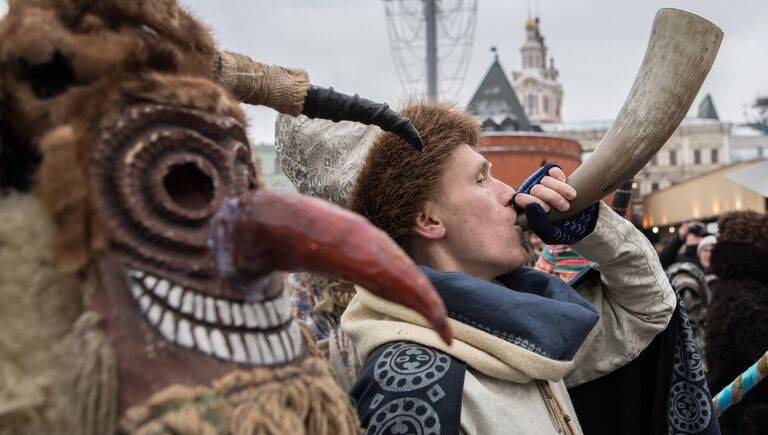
495, 103
536, 84
707, 108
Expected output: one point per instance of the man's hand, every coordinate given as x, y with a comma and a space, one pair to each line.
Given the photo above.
682, 232
551, 191
547, 188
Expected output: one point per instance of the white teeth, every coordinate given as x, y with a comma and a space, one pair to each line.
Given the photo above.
269, 307
250, 316
174, 297
266, 354
161, 289
144, 303
150, 281
167, 327
283, 307
185, 334
154, 314
199, 307
237, 314
210, 310
187, 305
224, 313
254, 354
238, 350
287, 345
136, 290
201, 338
219, 344
261, 316
242, 348
296, 338
277, 348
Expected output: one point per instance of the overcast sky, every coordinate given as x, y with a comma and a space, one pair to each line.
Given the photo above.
597, 46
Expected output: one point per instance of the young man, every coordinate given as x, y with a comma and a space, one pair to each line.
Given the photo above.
521, 336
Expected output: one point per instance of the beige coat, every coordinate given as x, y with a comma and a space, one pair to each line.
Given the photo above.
510, 390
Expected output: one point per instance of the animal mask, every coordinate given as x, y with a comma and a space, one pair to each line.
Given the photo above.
123, 118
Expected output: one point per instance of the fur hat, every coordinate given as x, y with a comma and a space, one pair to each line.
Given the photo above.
746, 226
321, 157
395, 181
742, 246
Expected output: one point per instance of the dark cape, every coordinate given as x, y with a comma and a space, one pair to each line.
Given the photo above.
662, 391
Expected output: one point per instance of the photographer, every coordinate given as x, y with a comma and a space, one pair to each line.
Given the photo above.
689, 234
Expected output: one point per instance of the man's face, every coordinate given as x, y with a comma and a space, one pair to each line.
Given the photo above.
480, 230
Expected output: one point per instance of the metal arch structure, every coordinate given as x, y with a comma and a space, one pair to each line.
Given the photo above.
431, 43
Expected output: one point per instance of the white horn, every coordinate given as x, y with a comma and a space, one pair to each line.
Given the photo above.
680, 53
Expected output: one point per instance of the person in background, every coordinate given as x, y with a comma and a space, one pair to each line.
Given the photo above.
704, 254
689, 235
690, 282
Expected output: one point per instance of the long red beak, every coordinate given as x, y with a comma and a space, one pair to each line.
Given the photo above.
272, 231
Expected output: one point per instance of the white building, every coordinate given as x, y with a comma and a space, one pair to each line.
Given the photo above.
700, 145
536, 84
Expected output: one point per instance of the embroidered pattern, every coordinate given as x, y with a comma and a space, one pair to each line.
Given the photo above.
690, 403
517, 341
407, 388
405, 416
407, 367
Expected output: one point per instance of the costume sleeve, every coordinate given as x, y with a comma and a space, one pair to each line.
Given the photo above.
631, 292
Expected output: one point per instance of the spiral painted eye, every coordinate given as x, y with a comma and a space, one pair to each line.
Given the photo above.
161, 172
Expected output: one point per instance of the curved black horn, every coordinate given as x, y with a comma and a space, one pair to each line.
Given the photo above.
329, 104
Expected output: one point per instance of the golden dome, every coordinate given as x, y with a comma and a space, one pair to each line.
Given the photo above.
530, 24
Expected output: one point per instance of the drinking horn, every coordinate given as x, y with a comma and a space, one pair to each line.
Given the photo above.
289, 91
681, 50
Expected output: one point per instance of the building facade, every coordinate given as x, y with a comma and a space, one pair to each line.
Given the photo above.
536, 85
269, 170
697, 147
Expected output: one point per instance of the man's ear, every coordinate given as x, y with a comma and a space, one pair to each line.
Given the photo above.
428, 224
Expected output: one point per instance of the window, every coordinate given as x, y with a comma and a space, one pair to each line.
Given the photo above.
546, 104
714, 155
696, 157
672, 158
530, 104
654, 186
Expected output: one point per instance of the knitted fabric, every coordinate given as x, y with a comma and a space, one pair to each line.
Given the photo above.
255, 83
561, 261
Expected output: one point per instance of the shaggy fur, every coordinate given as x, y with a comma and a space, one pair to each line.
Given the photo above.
738, 316
395, 181
35, 384
67, 68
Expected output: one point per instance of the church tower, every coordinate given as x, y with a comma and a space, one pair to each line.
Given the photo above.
536, 84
